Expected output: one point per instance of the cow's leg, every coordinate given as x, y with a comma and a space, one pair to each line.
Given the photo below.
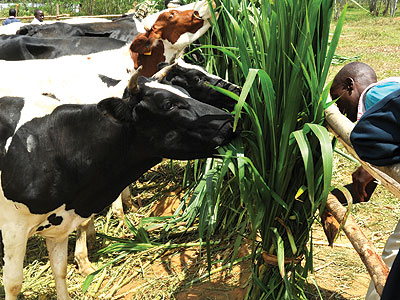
117, 205
117, 208
83, 234
14, 241
58, 261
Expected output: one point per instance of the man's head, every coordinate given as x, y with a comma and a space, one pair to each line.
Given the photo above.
348, 85
12, 12
39, 15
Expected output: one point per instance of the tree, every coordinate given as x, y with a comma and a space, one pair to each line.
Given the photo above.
389, 5
339, 4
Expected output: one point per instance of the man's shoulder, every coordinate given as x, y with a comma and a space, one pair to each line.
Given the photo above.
10, 20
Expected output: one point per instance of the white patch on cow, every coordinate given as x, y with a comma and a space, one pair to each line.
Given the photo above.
11, 28
8, 142
17, 213
185, 65
30, 143
157, 85
35, 106
139, 26
77, 83
188, 38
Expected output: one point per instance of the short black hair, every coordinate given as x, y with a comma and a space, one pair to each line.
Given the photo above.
36, 12
360, 72
12, 12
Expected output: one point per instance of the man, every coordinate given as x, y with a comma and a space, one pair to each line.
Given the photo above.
12, 13
39, 17
375, 138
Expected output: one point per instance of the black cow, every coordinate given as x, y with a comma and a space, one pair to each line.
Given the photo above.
62, 163
196, 81
20, 47
124, 29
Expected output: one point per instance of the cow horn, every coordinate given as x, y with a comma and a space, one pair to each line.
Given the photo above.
163, 72
133, 87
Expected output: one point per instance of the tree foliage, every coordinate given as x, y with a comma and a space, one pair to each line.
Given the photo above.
82, 7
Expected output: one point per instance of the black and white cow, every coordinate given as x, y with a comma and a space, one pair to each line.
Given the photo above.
20, 47
123, 29
197, 82
61, 163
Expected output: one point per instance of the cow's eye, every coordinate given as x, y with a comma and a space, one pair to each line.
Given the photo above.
196, 15
168, 105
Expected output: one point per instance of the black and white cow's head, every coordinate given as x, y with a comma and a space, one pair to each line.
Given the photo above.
170, 122
197, 81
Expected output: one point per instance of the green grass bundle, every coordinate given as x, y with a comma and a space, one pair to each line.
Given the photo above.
273, 181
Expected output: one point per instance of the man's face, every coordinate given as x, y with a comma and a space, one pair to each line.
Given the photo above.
347, 102
40, 16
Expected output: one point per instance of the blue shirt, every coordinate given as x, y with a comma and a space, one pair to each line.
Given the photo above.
10, 20
380, 91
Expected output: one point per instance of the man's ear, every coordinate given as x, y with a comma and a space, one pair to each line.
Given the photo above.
116, 109
349, 85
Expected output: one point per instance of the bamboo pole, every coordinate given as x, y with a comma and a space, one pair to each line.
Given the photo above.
389, 176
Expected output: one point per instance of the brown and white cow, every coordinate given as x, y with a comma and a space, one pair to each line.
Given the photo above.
168, 33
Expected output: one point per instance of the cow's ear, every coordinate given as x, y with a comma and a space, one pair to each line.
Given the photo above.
116, 109
162, 65
142, 44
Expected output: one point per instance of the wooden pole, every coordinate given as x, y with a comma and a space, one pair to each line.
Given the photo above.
377, 269
57, 11
341, 127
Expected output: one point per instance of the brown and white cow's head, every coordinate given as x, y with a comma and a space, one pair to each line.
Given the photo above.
168, 33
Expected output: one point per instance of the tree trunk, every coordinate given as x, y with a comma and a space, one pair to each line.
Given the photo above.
339, 4
373, 7
386, 3
393, 7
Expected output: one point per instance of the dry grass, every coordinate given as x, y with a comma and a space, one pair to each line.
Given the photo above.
160, 274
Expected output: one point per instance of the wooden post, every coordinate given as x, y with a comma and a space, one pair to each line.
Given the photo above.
377, 269
57, 10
